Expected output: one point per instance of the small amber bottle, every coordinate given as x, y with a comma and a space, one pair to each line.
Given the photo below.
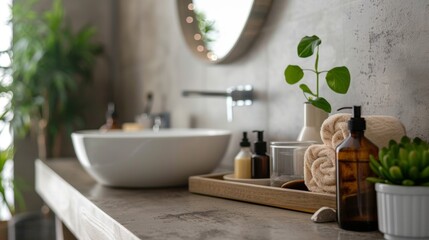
356, 197
260, 163
111, 119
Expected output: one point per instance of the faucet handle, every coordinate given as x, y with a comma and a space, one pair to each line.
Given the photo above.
241, 95
157, 123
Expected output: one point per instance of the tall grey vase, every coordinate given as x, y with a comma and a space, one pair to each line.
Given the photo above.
313, 119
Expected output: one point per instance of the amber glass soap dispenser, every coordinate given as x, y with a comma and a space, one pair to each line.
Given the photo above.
260, 160
356, 198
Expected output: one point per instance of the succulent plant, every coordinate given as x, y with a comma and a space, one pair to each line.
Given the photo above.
405, 163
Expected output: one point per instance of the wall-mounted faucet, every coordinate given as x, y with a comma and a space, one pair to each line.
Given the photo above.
241, 95
149, 120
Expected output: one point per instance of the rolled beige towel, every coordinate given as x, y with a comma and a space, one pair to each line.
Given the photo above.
379, 129
319, 169
334, 129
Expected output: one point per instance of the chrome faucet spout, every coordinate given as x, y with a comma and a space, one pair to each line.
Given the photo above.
241, 95
187, 93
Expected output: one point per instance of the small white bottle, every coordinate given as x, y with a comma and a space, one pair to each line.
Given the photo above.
242, 162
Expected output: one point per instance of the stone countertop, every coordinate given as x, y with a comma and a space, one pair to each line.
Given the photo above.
92, 211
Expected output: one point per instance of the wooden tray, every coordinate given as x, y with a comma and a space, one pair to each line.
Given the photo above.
304, 201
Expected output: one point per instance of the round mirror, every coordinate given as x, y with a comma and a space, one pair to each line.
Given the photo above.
219, 31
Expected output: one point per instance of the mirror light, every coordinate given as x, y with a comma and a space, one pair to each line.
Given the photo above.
189, 19
200, 48
197, 36
212, 56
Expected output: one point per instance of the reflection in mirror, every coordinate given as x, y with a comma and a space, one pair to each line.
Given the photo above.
221, 30
220, 23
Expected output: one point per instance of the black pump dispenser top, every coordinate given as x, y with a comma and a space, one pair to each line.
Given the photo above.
356, 123
244, 141
260, 145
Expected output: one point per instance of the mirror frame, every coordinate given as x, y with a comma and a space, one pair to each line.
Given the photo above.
250, 31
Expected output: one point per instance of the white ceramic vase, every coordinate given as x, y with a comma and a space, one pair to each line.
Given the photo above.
403, 211
313, 119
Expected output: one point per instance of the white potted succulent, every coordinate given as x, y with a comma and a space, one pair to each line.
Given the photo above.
402, 189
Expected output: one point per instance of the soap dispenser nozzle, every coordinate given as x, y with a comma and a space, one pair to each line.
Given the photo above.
356, 110
244, 141
260, 145
260, 135
356, 123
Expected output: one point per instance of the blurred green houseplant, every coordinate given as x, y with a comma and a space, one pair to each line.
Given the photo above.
207, 28
6, 182
49, 65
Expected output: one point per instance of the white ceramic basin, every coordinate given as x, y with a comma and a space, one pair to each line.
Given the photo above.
147, 158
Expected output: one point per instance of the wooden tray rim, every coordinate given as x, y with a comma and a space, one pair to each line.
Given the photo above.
212, 185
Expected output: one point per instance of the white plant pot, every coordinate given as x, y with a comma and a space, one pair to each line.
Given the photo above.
403, 212
313, 119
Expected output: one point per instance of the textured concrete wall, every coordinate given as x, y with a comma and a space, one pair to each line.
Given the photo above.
384, 44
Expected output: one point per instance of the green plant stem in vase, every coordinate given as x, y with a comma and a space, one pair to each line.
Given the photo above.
338, 78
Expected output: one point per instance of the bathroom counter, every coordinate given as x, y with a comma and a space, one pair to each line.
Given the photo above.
92, 211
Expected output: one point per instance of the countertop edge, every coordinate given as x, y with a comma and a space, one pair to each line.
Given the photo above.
72, 207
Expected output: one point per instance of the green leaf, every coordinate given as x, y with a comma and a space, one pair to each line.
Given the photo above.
392, 143
382, 152
385, 161
307, 45
321, 103
374, 165
394, 150
396, 173
413, 158
408, 182
19, 186
385, 174
338, 79
306, 89
404, 165
425, 173
425, 159
293, 74
375, 180
414, 173
403, 154
417, 140
405, 140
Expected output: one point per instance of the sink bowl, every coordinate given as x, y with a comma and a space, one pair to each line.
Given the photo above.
147, 158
